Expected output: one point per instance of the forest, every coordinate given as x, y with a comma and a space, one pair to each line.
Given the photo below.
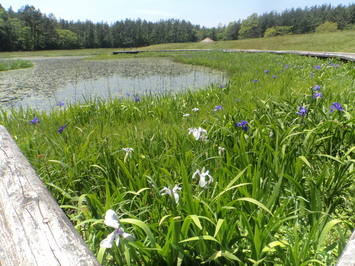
29, 29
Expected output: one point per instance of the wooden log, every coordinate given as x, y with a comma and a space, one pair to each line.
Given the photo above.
33, 228
127, 52
347, 258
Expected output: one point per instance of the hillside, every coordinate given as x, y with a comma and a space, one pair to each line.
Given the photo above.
340, 41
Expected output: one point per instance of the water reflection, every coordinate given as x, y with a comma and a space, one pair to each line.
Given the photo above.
110, 79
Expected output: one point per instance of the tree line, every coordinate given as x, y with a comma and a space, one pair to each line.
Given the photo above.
28, 29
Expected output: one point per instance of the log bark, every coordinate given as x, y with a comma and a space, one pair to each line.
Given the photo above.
33, 228
347, 258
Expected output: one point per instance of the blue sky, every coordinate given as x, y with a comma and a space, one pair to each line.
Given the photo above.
209, 13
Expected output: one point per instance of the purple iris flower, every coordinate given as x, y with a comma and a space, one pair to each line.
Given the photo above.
35, 121
243, 124
266, 71
317, 95
302, 111
60, 104
316, 88
274, 76
336, 106
317, 67
137, 99
60, 130
221, 86
255, 80
218, 108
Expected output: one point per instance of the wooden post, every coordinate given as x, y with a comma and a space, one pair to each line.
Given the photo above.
347, 258
33, 228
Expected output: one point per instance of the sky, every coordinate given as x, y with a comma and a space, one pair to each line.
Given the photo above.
208, 13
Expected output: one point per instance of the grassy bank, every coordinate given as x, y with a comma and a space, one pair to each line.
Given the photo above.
280, 157
342, 41
6, 65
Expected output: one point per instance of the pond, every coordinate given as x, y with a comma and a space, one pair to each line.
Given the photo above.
72, 80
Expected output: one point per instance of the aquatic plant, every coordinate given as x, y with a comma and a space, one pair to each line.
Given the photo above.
282, 187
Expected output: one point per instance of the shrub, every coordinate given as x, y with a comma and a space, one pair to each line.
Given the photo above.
270, 32
327, 27
278, 30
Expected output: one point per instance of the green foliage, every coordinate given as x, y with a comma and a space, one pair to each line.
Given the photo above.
14, 64
278, 31
29, 29
270, 32
249, 27
231, 31
282, 189
67, 39
327, 26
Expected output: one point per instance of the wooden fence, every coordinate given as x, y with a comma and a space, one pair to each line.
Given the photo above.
33, 228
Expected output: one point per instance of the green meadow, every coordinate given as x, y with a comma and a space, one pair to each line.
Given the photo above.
277, 141
340, 41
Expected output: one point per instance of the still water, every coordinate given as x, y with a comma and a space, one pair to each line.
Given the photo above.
71, 81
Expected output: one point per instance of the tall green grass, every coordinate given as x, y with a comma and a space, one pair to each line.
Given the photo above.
282, 191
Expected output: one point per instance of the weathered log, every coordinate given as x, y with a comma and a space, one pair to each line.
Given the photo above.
347, 258
33, 228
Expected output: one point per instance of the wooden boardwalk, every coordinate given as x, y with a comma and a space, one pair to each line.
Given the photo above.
340, 55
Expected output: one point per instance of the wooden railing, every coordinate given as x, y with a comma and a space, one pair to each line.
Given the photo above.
33, 228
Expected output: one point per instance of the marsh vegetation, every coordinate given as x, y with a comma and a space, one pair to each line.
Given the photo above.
259, 170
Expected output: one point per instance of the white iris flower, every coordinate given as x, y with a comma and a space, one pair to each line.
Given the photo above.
171, 192
221, 150
205, 177
198, 133
111, 219
128, 150
128, 153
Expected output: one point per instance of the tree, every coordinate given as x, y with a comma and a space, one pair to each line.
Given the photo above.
67, 39
29, 29
232, 30
34, 24
5, 30
249, 27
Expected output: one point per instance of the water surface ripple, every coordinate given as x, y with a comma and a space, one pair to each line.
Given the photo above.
71, 79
